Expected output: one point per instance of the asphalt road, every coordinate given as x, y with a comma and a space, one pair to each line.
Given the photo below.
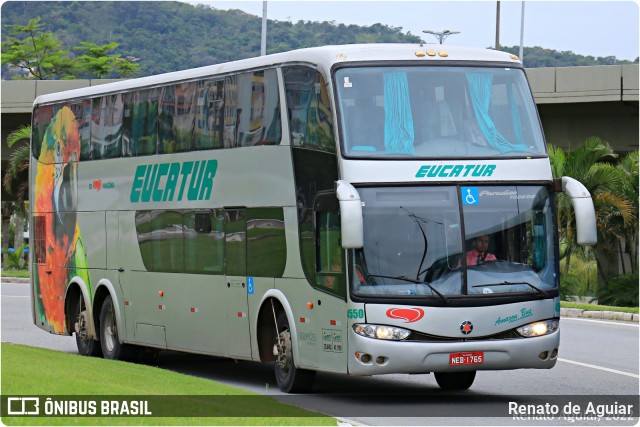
597, 359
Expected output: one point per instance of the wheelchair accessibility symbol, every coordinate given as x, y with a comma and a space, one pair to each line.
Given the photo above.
250, 289
470, 196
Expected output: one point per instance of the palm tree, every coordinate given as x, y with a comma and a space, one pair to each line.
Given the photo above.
17, 170
628, 167
591, 164
18, 162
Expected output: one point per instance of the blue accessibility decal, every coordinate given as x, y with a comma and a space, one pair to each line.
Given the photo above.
470, 196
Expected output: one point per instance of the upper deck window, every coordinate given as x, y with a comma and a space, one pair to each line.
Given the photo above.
437, 112
310, 118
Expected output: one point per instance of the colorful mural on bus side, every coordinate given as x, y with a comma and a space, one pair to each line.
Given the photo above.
56, 198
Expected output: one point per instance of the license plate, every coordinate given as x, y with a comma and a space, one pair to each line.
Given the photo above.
466, 358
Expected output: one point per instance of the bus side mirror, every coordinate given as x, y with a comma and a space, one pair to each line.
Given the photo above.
584, 211
350, 215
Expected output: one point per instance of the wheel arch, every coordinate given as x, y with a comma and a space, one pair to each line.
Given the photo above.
265, 324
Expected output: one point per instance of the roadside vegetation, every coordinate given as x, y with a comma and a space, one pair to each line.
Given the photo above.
41, 372
613, 183
10, 272
596, 307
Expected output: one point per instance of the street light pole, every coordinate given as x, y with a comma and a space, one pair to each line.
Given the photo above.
497, 25
441, 35
521, 52
263, 40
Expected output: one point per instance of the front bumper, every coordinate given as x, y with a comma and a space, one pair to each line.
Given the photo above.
412, 357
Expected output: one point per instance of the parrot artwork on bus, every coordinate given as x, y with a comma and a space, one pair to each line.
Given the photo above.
65, 256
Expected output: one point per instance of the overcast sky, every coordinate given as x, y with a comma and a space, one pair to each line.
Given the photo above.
597, 28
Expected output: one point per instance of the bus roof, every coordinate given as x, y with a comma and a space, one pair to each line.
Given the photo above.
325, 56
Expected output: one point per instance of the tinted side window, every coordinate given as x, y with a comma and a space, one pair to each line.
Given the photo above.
140, 121
204, 241
329, 262
160, 236
236, 242
39, 239
177, 118
209, 114
315, 172
82, 112
266, 243
252, 109
106, 127
309, 109
42, 116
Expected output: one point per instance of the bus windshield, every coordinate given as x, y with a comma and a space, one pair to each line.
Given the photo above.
419, 242
437, 112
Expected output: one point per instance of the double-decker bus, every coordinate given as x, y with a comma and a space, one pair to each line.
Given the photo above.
320, 209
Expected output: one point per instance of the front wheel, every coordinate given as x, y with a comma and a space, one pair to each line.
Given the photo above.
452, 381
289, 378
109, 340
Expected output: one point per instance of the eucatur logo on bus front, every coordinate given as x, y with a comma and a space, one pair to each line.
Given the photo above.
168, 182
454, 171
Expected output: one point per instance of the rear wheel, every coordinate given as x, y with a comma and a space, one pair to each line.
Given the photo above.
290, 379
87, 346
452, 381
109, 339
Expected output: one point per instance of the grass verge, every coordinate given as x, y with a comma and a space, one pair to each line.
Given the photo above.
22, 274
594, 307
30, 371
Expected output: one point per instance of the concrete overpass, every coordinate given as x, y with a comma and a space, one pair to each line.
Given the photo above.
578, 102
574, 104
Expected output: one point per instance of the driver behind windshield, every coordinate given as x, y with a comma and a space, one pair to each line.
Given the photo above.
480, 252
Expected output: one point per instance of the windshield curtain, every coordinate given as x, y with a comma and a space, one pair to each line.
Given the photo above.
430, 112
455, 241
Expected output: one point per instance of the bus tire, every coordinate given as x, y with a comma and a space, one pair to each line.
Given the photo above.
87, 346
289, 378
452, 381
109, 339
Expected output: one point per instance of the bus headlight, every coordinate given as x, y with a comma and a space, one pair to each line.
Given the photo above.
381, 332
537, 329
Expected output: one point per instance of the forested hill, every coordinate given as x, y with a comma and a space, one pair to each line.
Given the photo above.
169, 36
537, 56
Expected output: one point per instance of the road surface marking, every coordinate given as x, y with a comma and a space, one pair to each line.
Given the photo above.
586, 365
604, 322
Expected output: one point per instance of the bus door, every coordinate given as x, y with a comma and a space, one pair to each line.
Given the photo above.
115, 221
331, 307
236, 301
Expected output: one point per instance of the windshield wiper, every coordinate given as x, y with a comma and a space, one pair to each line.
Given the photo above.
419, 220
406, 279
506, 283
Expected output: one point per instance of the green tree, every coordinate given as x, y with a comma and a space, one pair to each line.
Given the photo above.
17, 171
18, 166
629, 169
39, 53
592, 165
96, 61
43, 57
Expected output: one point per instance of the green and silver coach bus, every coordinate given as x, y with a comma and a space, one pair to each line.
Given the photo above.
314, 209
